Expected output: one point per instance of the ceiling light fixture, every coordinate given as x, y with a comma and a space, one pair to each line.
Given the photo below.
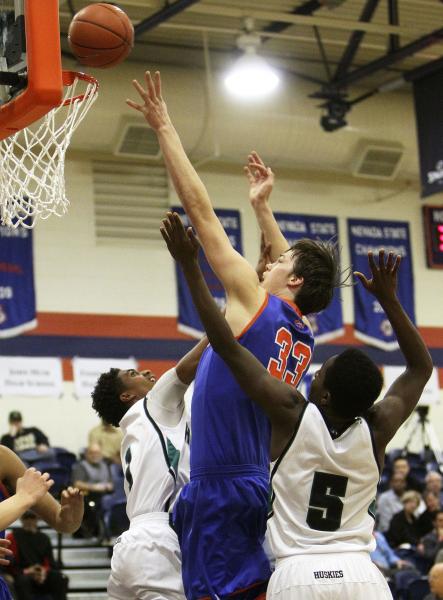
251, 77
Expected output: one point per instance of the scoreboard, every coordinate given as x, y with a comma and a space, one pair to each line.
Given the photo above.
433, 226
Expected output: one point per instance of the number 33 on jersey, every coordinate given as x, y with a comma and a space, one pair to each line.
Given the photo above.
293, 358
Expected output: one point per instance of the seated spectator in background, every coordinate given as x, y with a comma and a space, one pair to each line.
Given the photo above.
389, 502
401, 465
387, 560
109, 438
425, 521
28, 442
434, 483
436, 583
93, 477
403, 530
432, 543
33, 567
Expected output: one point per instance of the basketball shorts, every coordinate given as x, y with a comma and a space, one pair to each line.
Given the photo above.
335, 576
146, 561
5, 594
221, 523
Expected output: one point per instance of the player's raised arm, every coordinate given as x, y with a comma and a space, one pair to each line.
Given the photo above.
261, 184
280, 402
237, 276
403, 395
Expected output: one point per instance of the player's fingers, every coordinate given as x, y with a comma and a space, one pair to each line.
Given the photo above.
396, 264
381, 258
165, 236
45, 476
140, 89
248, 174
5, 562
371, 262
192, 238
257, 157
362, 278
259, 167
150, 85
158, 84
178, 226
134, 105
49, 483
390, 261
5, 543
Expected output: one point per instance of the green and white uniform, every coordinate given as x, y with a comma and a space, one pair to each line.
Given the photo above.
321, 520
146, 561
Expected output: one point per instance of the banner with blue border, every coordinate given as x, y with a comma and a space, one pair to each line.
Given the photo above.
188, 319
328, 324
370, 322
17, 296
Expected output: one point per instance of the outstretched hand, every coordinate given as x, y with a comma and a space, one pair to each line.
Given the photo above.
153, 107
260, 177
383, 284
182, 243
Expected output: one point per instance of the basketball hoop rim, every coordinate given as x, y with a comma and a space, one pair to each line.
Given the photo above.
69, 78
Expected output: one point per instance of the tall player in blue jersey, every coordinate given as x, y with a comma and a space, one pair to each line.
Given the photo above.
220, 517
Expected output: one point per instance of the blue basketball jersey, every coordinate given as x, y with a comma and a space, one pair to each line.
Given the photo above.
227, 427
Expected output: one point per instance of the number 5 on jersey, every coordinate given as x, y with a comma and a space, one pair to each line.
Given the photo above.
301, 352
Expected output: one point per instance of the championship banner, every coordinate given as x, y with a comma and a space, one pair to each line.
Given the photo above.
328, 324
87, 370
428, 96
188, 319
370, 322
17, 296
29, 376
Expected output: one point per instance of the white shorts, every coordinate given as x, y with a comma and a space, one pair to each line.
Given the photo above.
146, 561
337, 576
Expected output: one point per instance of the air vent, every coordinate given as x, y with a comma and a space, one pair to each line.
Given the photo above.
129, 201
137, 141
377, 160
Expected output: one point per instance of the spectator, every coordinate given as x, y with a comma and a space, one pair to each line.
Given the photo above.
27, 442
433, 481
401, 465
93, 477
109, 438
33, 567
436, 583
432, 543
425, 521
403, 529
389, 502
386, 559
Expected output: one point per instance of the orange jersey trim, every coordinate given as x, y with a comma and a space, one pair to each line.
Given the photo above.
255, 317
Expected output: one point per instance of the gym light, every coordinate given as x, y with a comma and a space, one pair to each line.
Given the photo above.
251, 77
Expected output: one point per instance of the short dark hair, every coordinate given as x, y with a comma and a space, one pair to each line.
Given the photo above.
106, 397
354, 382
318, 263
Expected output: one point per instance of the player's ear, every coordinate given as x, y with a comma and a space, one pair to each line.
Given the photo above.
325, 398
126, 396
295, 282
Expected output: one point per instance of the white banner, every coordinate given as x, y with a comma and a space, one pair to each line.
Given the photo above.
431, 393
26, 376
88, 370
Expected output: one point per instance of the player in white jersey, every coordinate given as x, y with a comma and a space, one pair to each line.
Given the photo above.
146, 561
328, 451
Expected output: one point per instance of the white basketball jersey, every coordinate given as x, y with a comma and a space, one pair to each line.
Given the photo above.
155, 457
323, 490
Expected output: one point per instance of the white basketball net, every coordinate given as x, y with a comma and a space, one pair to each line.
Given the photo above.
32, 161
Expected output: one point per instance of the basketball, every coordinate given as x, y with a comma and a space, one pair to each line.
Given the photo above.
101, 35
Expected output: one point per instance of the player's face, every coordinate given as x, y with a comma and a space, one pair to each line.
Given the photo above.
137, 383
277, 274
317, 391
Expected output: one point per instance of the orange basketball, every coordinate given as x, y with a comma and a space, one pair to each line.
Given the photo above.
101, 35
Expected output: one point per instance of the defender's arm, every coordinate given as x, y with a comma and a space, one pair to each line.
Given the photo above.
403, 395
